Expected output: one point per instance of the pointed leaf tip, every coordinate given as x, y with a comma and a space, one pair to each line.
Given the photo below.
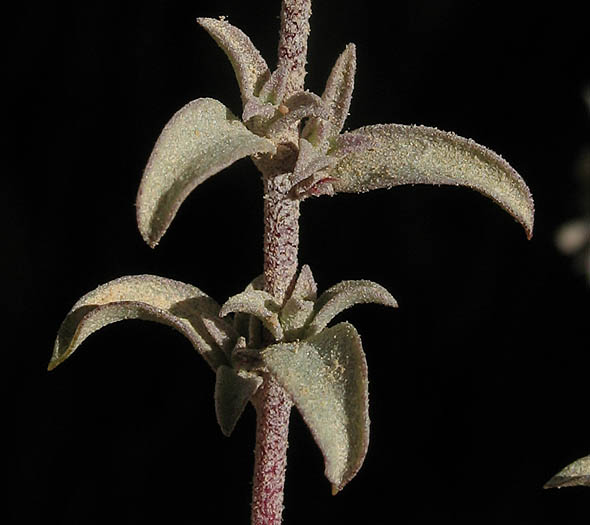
233, 390
146, 297
200, 140
393, 154
344, 295
326, 376
575, 474
249, 66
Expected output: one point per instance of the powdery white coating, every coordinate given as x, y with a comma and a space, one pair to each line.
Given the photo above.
200, 140
259, 304
147, 297
310, 161
233, 390
337, 96
326, 377
305, 285
249, 66
575, 474
399, 154
344, 295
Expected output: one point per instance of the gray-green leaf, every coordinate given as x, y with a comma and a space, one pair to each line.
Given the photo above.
249, 66
258, 303
337, 96
233, 390
200, 140
575, 474
326, 376
147, 297
392, 155
344, 295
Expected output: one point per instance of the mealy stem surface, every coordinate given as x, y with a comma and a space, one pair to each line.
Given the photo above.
281, 244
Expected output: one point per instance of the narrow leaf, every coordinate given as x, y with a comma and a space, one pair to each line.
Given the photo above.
200, 140
344, 295
337, 97
147, 297
575, 474
326, 376
395, 154
233, 390
249, 66
305, 286
258, 303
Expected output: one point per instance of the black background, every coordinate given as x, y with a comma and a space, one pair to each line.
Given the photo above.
479, 381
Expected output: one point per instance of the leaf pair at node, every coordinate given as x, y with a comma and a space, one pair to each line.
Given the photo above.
204, 137
322, 368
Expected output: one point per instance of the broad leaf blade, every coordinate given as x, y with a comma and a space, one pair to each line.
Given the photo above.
575, 474
326, 376
200, 140
392, 155
249, 66
233, 390
344, 295
147, 297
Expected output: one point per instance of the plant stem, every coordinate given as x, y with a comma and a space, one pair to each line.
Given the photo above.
281, 245
273, 405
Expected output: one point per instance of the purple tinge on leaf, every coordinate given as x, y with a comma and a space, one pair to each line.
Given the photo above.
200, 140
392, 155
148, 297
337, 97
326, 376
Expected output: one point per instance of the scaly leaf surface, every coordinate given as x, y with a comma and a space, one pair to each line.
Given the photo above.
575, 474
233, 390
391, 155
147, 297
344, 295
258, 303
249, 66
326, 376
200, 140
337, 96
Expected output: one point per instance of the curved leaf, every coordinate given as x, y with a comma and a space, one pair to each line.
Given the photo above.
392, 155
258, 303
200, 140
249, 66
326, 376
298, 106
344, 295
576, 473
147, 297
233, 390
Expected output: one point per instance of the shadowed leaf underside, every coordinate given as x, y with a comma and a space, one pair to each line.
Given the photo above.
146, 297
390, 155
200, 140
